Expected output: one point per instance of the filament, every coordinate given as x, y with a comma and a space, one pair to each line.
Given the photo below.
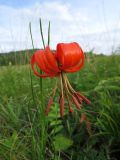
68, 83
61, 85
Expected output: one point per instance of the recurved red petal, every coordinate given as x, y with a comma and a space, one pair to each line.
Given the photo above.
51, 60
40, 60
44, 75
77, 67
46, 61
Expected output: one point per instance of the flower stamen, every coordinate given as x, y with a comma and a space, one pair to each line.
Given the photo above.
61, 97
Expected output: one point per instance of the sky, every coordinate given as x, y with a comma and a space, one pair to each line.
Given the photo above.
94, 24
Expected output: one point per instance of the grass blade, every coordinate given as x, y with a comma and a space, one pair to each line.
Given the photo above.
49, 34
41, 31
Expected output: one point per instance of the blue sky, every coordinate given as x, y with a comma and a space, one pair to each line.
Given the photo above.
94, 24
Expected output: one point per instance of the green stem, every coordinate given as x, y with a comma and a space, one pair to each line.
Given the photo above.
41, 31
31, 81
31, 35
41, 84
49, 34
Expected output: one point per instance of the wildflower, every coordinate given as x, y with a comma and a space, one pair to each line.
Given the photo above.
68, 58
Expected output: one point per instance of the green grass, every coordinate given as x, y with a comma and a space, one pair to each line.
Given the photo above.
25, 132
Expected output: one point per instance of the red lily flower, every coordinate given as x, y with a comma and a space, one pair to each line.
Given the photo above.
68, 57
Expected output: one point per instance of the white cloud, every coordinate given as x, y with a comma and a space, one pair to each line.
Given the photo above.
68, 24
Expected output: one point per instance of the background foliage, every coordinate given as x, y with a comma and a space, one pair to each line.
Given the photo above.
26, 134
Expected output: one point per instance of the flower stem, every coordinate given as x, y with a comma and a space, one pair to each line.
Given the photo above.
31, 81
41, 84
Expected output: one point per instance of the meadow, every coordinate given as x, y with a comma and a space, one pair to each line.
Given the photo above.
27, 134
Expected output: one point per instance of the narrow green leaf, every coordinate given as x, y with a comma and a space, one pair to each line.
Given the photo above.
31, 35
49, 34
41, 31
